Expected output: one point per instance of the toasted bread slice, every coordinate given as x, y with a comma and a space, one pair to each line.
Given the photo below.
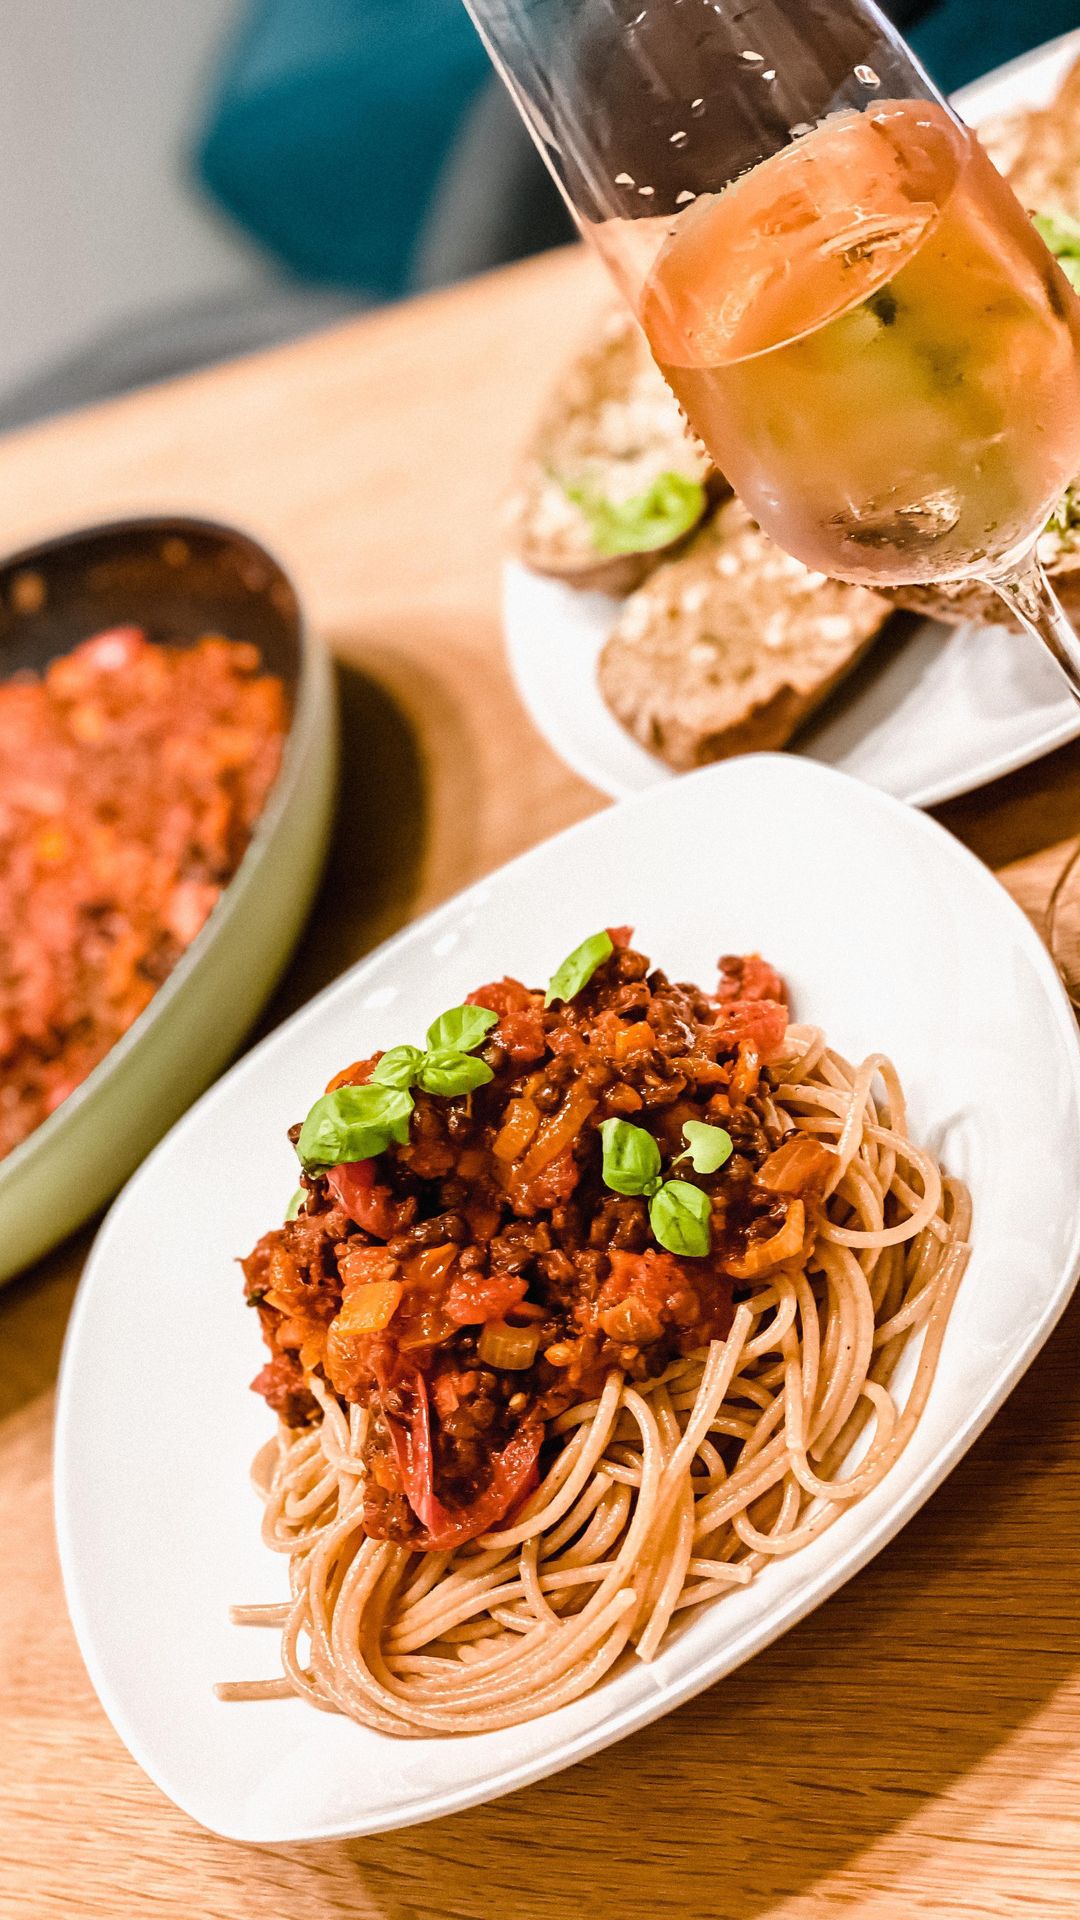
1005, 136
1059, 551
730, 645
593, 503
1045, 172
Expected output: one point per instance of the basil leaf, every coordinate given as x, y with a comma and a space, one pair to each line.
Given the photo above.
398, 1067
679, 1217
296, 1204
669, 508
1059, 233
631, 1157
448, 1072
578, 968
707, 1146
462, 1029
354, 1123
1066, 515
1062, 236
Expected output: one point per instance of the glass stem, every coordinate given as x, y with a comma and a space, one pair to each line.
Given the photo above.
1028, 594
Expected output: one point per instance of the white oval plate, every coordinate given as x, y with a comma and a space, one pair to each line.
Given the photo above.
925, 719
891, 935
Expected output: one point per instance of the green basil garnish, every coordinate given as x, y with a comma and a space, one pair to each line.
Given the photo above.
295, 1205
447, 1072
679, 1217
461, 1030
354, 1123
578, 968
398, 1067
631, 1158
445, 1068
1062, 236
678, 1212
664, 512
707, 1147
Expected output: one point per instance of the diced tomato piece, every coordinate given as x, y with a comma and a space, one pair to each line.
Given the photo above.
353, 1185
759, 1025
511, 1472
504, 996
475, 1298
281, 1383
554, 1182
357, 1075
522, 1035
746, 976
620, 937
363, 1266
646, 1292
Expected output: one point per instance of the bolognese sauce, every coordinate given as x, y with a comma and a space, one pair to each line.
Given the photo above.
131, 776
479, 1276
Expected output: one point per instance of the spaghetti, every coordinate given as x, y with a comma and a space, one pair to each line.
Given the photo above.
663, 1482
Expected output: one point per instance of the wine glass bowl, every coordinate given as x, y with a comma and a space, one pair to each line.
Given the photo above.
854, 311
876, 346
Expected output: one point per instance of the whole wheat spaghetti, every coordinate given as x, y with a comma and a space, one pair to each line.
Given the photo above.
675, 1469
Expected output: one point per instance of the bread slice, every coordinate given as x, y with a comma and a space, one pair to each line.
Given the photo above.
1045, 172
730, 645
1059, 551
612, 431
1004, 137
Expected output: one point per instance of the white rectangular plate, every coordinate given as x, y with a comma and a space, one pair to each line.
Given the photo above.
891, 935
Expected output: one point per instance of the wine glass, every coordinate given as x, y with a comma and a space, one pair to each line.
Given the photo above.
856, 314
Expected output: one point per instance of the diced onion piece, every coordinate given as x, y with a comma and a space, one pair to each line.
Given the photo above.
761, 1255
636, 1039
522, 1120
369, 1309
632, 1321
431, 1266
800, 1164
510, 1347
557, 1132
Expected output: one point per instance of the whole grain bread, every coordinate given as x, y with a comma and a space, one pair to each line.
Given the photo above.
612, 428
729, 646
1059, 551
1044, 170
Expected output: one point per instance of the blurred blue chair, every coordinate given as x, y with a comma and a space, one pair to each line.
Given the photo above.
330, 125
366, 143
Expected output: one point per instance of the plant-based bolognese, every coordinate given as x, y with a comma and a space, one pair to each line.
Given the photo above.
131, 776
583, 1312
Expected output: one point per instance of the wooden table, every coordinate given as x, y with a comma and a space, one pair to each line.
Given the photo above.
914, 1748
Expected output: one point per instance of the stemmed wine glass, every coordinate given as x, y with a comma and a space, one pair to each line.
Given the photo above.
856, 314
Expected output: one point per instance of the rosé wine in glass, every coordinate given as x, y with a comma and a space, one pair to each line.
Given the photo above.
876, 347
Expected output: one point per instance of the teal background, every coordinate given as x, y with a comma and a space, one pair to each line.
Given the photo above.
331, 120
